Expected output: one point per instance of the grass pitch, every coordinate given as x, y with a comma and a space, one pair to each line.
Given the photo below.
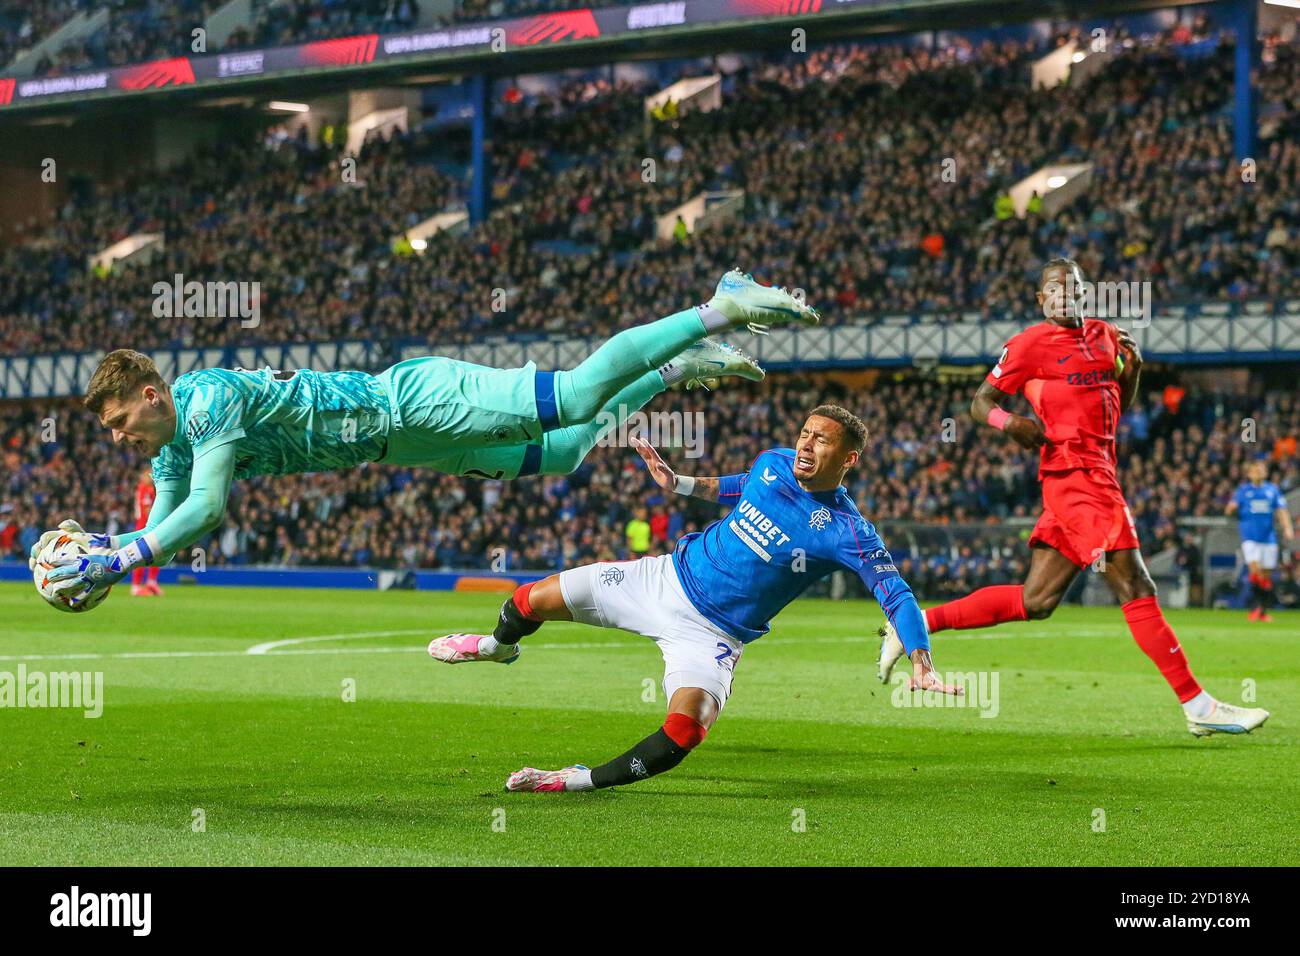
207, 753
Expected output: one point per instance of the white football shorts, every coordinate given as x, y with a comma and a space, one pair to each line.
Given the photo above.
1255, 552
646, 597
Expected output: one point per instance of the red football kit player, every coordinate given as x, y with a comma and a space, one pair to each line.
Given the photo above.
144, 496
1079, 375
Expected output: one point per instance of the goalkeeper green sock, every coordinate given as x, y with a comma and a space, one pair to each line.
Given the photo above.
564, 449
585, 390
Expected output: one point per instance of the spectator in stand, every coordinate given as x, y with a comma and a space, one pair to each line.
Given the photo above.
638, 533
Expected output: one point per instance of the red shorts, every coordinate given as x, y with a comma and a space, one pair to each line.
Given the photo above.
1084, 516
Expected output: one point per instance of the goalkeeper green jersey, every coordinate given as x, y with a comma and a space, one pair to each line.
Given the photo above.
282, 422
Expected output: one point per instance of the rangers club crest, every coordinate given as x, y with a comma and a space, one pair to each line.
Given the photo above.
611, 576
819, 519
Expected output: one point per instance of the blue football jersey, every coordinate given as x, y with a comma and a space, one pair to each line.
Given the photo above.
776, 541
1256, 505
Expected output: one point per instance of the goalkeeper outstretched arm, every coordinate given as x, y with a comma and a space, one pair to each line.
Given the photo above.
178, 526
200, 512
169, 492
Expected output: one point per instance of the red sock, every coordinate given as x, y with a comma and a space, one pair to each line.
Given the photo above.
1157, 640
982, 608
137, 576
520, 598
684, 731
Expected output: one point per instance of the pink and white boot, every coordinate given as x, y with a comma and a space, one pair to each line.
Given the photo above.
459, 648
532, 780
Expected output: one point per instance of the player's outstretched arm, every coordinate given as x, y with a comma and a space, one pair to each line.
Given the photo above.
924, 676
899, 604
1130, 369
986, 409
667, 479
200, 512
865, 554
170, 492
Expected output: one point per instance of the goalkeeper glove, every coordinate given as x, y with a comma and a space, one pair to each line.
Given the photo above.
69, 527
88, 574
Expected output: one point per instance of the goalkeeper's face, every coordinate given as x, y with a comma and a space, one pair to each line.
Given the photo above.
146, 421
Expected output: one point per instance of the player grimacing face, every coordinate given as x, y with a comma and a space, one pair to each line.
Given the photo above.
821, 456
146, 422
1061, 296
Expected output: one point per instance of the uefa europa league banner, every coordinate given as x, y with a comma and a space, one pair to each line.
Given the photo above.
492, 36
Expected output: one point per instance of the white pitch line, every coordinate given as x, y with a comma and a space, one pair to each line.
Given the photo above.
552, 646
272, 645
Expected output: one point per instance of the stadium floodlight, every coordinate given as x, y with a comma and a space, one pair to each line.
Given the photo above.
283, 106
455, 221
1056, 184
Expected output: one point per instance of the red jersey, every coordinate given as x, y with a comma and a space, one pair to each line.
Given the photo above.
1069, 377
144, 495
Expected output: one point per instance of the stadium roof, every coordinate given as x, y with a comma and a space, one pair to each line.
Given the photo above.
535, 43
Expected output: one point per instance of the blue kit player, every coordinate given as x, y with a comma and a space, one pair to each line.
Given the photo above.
1260, 510
213, 426
790, 524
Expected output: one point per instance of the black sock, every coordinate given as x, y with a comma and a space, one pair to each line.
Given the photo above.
512, 625
655, 754
1257, 595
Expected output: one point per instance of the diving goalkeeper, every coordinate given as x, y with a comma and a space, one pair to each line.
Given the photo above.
213, 426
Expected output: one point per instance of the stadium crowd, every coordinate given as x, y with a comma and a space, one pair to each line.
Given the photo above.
845, 198
956, 512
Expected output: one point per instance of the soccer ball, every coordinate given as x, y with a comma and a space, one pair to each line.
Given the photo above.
58, 549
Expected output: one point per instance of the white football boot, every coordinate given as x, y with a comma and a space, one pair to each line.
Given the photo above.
757, 307
705, 362
1226, 719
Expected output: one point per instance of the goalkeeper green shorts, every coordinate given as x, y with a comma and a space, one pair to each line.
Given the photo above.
441, 406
